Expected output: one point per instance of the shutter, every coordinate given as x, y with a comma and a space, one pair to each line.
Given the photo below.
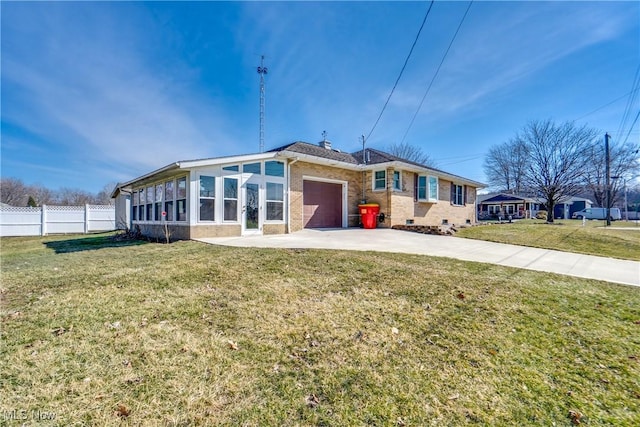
415, 187
452, 196
464, 195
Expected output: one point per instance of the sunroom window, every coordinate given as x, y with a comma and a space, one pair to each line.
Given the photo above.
230, 199
207, 198
168, 200
181, 199
274, 168
275, 201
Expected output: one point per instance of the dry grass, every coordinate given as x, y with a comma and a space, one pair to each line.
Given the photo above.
565, 235
191, 334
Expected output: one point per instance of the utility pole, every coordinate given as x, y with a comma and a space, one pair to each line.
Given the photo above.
608, 178
262, 70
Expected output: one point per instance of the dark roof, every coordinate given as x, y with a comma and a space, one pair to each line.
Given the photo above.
317, 151
503, 198
373, 156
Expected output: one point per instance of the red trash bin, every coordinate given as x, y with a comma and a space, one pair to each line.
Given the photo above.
369, 214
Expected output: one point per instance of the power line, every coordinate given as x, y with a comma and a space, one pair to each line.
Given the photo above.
437, 71
630, 102
402, 70
631, 127
608, 103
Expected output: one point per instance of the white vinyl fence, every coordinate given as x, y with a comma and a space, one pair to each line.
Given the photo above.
18, 221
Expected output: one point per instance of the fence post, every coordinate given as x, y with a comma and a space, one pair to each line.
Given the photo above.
43, 220
86, 218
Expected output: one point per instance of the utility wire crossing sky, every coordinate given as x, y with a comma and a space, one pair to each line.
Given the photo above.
100, 92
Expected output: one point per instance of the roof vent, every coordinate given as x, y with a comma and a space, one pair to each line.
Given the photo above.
325, 143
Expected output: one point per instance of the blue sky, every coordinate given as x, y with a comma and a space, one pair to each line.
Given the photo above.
100, 92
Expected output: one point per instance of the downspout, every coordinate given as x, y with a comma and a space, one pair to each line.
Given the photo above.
389, 178
364, 173
289, 194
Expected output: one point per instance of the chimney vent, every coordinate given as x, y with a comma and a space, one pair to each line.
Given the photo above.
325, 143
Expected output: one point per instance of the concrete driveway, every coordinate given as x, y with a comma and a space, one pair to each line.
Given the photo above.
387, 240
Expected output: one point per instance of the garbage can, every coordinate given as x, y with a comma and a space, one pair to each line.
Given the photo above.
369, 214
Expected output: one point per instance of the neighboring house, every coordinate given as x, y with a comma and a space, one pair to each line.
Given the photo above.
297, 186
502, 205
565, 208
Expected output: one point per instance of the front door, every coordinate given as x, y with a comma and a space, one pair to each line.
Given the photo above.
251, 218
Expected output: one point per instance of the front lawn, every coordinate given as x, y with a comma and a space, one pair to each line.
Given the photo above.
565, 235
97, 333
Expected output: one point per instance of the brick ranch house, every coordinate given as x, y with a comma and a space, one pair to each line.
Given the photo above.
287, 189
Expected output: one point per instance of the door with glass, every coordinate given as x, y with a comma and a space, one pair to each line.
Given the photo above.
251, 208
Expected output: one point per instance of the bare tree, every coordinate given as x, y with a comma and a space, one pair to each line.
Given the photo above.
104, 196
412, 153
74, 197
624, 163
556, 159
505, 166
13, 192
42, 195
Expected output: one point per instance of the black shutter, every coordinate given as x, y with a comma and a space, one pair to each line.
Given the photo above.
452, 196
415, 187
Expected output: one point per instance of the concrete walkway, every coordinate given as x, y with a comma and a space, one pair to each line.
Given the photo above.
387, 240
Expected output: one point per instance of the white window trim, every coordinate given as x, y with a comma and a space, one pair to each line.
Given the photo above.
283, 201
162, 202
216, 179
399, 180
373, 178
237, 199
430, 199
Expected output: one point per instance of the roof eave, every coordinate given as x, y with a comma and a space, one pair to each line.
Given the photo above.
318, 160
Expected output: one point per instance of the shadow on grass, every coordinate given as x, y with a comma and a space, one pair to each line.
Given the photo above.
83, 243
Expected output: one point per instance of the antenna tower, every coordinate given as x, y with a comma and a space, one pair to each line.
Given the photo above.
262, 70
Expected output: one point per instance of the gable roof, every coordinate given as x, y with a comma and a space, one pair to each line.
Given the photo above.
372, 157
317, 151
309, 152
498, 198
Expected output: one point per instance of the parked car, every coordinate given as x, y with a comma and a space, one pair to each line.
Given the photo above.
597, 213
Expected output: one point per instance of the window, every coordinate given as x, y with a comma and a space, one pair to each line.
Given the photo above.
230, 199
379, 180
141, 206
433, 188
397, 181
275, 201
181, 199
207, 198
168, 200
274, 168
427, 188
233, 168
158, 205
149, 203
252, 168
457, 194
136, 202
